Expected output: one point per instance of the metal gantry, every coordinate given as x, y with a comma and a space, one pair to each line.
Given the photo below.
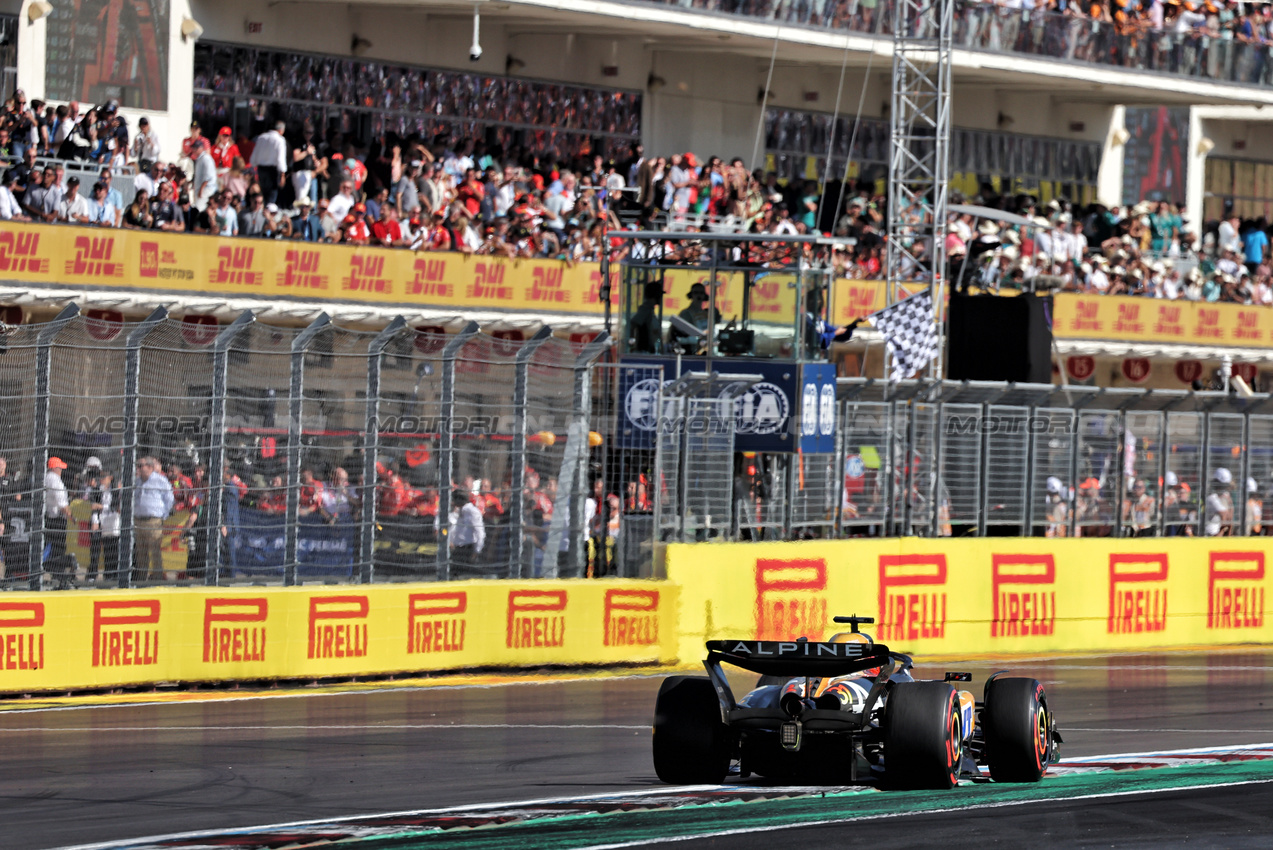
919, 157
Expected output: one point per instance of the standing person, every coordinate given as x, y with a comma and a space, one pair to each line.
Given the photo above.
1219, 505
269, 155
15, 525
151, 505
57, 508
1254, 518
92, 494
146, 142
108, 510
468, 532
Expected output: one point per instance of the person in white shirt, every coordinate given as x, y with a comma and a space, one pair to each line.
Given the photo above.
467, 531
270, 158
73, 207
340, 205
147, 180
101, 211
146, 143
1229, 238
152, 503
10, 209
57, 509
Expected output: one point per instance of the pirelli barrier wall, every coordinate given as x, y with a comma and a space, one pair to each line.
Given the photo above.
979, 596
95, 639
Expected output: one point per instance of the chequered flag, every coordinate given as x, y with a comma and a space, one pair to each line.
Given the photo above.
910, 332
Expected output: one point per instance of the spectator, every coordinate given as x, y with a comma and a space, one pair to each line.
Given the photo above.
343, 203
253, 221
57, 508
355, 228
145, 147
42, 201
1219, 516
387, 230
305, 163
25, 173
102, 212
224, 150
107, 507
138, 216
467, 531
166, 213
307, 224
269, 155
192, 140
205, 175
152, 503
148, 178
73, 208
10, 209
282, 224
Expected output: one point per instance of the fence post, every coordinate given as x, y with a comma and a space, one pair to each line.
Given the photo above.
128, 473
216, 452
1239, 507
983, 473
1204, 474
296, 409
446, 446
574, 465
890, 469
517, 453
43, 367
935, 496
371, 447
1162, 474
1027, 519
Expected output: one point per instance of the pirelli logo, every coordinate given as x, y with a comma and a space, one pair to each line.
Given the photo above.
1024, 595
1235, 590
912, 596
1137, 593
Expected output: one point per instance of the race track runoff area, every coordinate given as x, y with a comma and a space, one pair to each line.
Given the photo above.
1161, 750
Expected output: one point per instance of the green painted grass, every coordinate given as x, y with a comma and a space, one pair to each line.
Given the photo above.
589, 829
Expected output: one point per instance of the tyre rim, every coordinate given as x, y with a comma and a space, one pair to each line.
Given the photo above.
1041, 737
954, 744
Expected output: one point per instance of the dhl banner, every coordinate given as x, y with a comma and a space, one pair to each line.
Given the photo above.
980, 596
1154, 320
92, 639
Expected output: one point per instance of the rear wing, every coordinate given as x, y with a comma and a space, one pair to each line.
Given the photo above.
797, 658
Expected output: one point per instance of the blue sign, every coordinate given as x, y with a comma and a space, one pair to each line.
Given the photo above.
764, 415
258, 541
817, 408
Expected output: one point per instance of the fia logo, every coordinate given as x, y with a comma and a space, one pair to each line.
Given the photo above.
639, 404
762, 410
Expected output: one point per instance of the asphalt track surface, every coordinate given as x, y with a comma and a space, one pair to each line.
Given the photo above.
95, 774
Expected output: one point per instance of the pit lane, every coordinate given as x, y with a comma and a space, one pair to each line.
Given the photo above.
114, 773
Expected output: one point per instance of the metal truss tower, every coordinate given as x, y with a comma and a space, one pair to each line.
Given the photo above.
919, 158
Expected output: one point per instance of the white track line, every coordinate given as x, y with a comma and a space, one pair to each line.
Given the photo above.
369, 726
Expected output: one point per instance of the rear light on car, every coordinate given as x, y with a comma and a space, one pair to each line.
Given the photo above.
790, 734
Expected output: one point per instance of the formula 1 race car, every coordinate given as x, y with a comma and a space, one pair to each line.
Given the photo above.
820, 708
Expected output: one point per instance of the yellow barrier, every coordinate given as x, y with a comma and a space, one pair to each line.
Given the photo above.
93, 639
1151, 320
989, 595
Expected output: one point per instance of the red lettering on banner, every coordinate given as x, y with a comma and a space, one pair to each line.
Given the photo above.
113, 647
1169, 321
861, 300
631, 618
546, 286
235, 642
912, 614
366, 274
488, 283
332, 634
1023, 591
765, 295
593, 295
1235, 590
234, 267
434, 623
1128, 320
93, 258
18, 253
1248, 326
791, 598
1087, 315
429, 279
1137, 593
536, 618
301, 270
149, 260
21, 635
1208, 326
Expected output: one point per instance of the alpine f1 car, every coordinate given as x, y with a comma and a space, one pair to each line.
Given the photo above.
820, 708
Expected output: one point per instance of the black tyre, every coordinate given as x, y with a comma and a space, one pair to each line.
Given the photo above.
1017, 727
691, 744
923, 736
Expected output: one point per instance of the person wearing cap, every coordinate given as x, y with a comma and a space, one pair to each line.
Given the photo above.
1139, 510
57, 508
282, 223
152, 503
73, 207
146, 142
467, 531
224, 150
695, 313
307, 224
355, 228
1219, 505
1091, 516
1057, 508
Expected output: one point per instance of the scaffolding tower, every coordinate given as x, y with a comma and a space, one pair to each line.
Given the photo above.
919, 156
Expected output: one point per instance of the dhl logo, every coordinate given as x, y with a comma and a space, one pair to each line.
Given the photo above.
1169, 321
434, 622
1087, 315
228, 633
429, 279
488, 283
631, 618
301, 270
1024, 595
1208, 326
908, 609
366, 274
1235, 590
1128, 320
536, 618
862, 300
1137, 593
21, 645
766, 296
93, 258
1248, 326
791, 598
593, 295
18, 253
545, 286
234, 267
333, 630
116, 647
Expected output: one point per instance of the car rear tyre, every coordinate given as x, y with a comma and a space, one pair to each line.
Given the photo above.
1018, 730
691, 744
923, 738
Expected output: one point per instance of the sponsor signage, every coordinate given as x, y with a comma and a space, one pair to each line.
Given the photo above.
1132, 319
817, 408
1023, 594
